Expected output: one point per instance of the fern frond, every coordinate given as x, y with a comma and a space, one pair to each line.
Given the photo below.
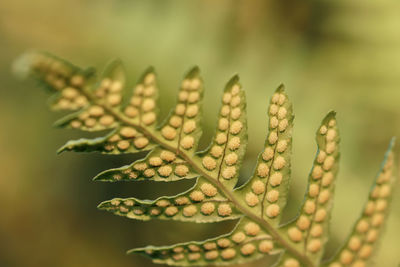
132, 125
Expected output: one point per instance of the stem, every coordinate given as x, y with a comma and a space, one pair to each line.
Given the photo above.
228, 193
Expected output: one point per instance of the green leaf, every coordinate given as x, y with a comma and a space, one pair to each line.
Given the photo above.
158, 165
110, 88
247, 242
125, 139
100, 116
66, 81
90, 118
265, 194
203, 203
181, 130
142, 106
361, 243
309, 230
222, 159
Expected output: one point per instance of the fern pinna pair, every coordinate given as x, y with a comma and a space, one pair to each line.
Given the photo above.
133, 123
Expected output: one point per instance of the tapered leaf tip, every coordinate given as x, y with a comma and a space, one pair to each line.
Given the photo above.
147, 251
232, 81
280, 89
235, 79
115, 62
193, 72
331, 115
103, 176
390, 148
21, 67
133, 250
102, 205
150, 69
61, 150
115, 68
113, 65
67, 146
392, 142
147, 71
328, 121
98, 177
60, 123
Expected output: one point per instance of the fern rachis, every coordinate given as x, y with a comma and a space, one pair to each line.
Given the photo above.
173, 155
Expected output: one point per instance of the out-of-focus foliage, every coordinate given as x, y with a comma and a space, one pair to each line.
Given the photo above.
331, 54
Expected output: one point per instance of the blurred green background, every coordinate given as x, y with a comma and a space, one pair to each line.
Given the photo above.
341, 55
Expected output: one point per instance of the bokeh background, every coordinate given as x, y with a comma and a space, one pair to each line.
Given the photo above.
341, 55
